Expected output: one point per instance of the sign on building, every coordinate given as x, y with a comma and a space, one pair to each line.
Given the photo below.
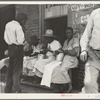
84, 19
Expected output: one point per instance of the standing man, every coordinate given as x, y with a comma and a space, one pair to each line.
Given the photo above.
14, 37
90, 52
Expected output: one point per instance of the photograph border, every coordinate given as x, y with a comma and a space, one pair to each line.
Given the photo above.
45, 95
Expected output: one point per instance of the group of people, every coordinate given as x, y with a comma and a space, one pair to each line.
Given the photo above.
50, 61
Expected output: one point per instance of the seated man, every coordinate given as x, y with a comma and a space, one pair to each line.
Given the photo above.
32, 52
49, 53
60, 78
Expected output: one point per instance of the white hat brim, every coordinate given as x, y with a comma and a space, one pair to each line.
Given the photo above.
49, 35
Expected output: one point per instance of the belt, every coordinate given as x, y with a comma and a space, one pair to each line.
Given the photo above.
15, 45
95, 49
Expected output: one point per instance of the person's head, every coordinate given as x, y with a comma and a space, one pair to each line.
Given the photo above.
34, 40
49, 35
69, 32
22, 18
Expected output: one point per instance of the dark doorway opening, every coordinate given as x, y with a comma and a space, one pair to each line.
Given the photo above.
58, 25
7, 13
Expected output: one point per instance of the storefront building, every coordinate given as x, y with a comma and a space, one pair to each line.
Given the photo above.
54, 16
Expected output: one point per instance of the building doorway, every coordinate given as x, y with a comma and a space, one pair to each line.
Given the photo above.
58, 25
7, 13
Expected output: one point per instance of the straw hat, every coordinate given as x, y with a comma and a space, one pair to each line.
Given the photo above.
49, 33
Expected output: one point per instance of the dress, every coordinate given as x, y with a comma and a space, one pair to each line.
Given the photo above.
60, 76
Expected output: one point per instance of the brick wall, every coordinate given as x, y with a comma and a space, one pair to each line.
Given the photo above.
32, 25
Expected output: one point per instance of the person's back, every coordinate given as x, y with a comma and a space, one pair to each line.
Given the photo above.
14, 37
11, 30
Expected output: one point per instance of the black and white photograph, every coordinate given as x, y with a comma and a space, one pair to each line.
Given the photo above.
50, 48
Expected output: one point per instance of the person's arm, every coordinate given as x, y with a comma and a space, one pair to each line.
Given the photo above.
65, 51
84, 41
58, 51
20, 35
73, 52
87, 33
44, 50
5, 36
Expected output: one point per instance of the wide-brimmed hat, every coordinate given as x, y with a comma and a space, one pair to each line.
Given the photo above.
49, 33
34, 38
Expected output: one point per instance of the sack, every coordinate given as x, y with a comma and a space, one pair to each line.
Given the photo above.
13, 50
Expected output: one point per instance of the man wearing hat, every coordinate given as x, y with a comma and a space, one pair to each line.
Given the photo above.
14, 37
52, 46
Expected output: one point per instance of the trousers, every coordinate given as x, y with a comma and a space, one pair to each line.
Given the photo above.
14, 69
92, 69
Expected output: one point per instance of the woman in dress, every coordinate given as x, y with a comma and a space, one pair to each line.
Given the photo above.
61, 81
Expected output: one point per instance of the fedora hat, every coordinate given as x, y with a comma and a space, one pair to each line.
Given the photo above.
49, 33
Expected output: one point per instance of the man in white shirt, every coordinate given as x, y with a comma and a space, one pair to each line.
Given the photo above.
14, 37
48, 53
90, 52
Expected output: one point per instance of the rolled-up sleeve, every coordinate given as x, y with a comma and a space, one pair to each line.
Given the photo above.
6, 38
87, 33
55, 46
76, 42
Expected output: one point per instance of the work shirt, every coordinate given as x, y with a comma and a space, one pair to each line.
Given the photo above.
13, 33
91, 35
55, 45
